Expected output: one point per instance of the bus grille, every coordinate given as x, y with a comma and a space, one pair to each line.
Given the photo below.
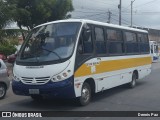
35, 81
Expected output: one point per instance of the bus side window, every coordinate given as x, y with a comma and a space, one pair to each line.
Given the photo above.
115, 41
85, 44
100, 41
144, 43
131, 42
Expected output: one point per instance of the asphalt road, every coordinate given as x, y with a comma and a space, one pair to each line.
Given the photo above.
144, 97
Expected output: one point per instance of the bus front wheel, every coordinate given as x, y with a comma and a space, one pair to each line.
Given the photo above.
85, 97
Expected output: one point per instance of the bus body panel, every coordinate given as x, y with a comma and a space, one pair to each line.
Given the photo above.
40, 71
110, 72
62, 89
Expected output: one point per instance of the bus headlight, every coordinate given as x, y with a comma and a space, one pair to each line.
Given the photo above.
64, 74
59, 77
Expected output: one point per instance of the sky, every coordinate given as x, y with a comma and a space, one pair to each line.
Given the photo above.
146, 13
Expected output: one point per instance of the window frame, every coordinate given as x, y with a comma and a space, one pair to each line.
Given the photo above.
140, 43
137, 42
81, 39
105, 42
115, 41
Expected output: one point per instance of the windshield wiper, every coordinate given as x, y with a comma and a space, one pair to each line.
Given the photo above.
52, 52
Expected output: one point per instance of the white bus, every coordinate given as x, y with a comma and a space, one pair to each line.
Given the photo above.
154, 51
75, 58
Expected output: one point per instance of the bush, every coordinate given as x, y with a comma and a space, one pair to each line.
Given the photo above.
7, 49
13, 41
7, 45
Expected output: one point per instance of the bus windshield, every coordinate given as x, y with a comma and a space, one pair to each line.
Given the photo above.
50, 42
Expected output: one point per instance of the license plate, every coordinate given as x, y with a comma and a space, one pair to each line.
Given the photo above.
33, 91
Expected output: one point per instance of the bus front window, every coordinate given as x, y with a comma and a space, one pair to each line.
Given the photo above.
50, 42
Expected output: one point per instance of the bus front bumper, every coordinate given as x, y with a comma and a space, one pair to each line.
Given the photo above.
62, 89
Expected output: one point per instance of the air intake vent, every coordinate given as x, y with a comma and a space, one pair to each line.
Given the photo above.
35, 81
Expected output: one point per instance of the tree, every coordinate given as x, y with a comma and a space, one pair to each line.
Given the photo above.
30, 13
5, 18
4, 14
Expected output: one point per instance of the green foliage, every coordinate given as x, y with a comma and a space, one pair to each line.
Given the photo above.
5, 16
10, 35
11, 32
7, 49
30, 13
8, 41
13, 41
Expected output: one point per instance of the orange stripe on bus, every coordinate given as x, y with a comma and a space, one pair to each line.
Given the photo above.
112, 65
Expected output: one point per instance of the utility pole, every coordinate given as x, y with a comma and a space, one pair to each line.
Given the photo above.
109, 16
131, 11
120, 6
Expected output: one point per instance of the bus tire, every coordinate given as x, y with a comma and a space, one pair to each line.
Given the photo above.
85, 97
132, 84
3, 90
37, 97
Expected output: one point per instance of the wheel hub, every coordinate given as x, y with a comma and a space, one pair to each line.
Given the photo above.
85, 94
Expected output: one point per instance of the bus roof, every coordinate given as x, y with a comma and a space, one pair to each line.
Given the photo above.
96, 23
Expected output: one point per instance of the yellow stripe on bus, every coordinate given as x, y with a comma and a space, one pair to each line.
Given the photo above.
112, 65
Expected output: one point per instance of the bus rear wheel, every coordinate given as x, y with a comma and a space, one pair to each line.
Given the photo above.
85, 97
132, 84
